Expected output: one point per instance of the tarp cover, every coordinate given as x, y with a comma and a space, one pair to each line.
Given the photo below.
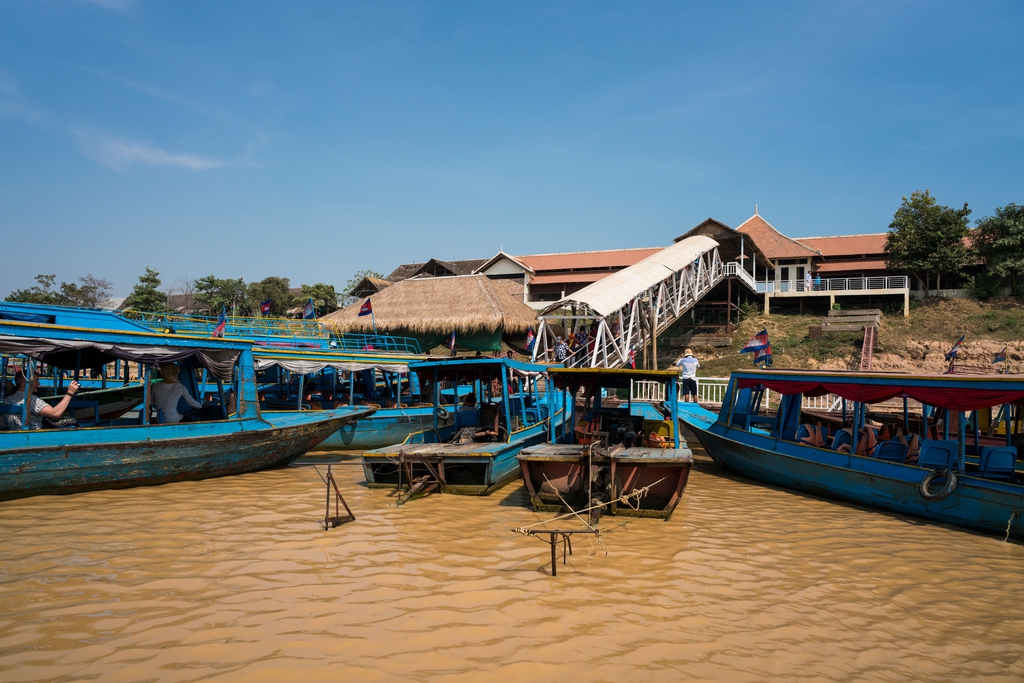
618, 289
69, 354
308, 367
958, 397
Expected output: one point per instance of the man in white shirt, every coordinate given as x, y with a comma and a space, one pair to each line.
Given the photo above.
37, 408
688, 365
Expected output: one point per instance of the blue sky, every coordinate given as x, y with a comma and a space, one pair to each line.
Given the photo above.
310, 140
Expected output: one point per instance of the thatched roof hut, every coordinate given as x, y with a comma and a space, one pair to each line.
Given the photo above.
478, 309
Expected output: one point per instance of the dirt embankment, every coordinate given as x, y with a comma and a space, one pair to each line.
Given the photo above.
915, 344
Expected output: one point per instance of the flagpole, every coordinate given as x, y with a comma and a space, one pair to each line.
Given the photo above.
373, 319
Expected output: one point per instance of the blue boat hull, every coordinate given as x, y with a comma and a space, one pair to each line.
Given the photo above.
46, 462
470, 469
976, 503
385, 426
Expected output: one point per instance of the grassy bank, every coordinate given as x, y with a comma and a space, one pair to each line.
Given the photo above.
917, 343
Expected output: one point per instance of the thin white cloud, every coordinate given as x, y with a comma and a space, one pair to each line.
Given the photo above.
120, 154
12, 102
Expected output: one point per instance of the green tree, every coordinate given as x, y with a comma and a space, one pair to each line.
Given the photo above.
214, 294
273, 289
92, 293
146, 295
325, 299
926, 238
999, 242
346, 291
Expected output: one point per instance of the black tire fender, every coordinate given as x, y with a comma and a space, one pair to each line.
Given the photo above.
946, 490
442, 413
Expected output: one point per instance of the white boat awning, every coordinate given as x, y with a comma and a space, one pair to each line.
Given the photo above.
615, 291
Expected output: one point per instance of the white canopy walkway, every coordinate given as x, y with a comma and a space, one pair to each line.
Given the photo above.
631, 307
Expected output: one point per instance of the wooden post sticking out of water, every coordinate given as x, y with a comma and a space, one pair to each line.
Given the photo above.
337, 520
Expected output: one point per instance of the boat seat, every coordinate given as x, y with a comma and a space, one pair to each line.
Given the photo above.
805, 433
892, 451
467, 417
532, 416
937, 455
842, 438
95, 405
998, 462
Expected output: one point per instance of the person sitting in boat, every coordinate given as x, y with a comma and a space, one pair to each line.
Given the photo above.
469, 401
167, 393
38, 409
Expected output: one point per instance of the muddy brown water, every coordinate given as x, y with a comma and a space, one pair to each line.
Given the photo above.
234, 579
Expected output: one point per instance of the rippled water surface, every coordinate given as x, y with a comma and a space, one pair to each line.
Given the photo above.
234, 579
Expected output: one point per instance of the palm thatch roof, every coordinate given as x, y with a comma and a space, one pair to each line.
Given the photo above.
468, 304
369, 285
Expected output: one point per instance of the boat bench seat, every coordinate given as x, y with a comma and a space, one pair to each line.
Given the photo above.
95, 405
997, 462
892, 451
937, 455
467, 417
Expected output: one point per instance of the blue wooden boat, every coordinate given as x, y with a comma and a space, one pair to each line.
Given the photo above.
613, 449
122, 453
955, 478
379, 381
471, 449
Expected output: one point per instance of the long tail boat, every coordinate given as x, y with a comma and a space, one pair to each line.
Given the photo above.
103, 454
347, 378
624, 457
472, 445
936, 467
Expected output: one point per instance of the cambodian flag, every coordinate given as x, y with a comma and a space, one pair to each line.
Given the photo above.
764, 355
757, 343
529, 339
956, 348
367, 309
309, 312
451, 343
1000, 357
265, 307
222, 322
632, 358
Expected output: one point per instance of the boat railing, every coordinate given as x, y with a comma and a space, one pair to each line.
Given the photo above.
374, 342
709, 390
646, 390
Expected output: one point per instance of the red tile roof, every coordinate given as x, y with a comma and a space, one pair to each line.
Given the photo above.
575, 260
847, 245
773, 243
556, 278
851, 266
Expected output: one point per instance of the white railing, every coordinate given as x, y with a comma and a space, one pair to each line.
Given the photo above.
830, 403
734, 269
837, 284
646, 390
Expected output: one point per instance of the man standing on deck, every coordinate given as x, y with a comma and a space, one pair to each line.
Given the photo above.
688, 365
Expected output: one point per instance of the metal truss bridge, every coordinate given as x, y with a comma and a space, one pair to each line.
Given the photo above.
633, 306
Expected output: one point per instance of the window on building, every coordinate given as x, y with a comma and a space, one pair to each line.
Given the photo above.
784, 274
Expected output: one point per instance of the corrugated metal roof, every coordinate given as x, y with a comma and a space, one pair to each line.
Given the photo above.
618, 289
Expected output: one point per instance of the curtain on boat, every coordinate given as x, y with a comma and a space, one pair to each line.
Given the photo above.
308, 367
958, 398
69, 354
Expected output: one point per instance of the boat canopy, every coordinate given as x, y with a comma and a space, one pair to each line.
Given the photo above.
952, 392
610, 378
462, 367
78, 353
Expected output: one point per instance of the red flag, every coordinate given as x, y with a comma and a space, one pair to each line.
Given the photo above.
367, 309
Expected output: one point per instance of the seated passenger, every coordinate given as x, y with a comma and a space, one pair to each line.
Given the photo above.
38, 409
469, 401
167, 393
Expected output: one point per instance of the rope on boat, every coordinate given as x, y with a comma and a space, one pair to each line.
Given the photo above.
625, 498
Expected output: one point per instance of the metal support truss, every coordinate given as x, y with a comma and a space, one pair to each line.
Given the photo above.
651, 310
